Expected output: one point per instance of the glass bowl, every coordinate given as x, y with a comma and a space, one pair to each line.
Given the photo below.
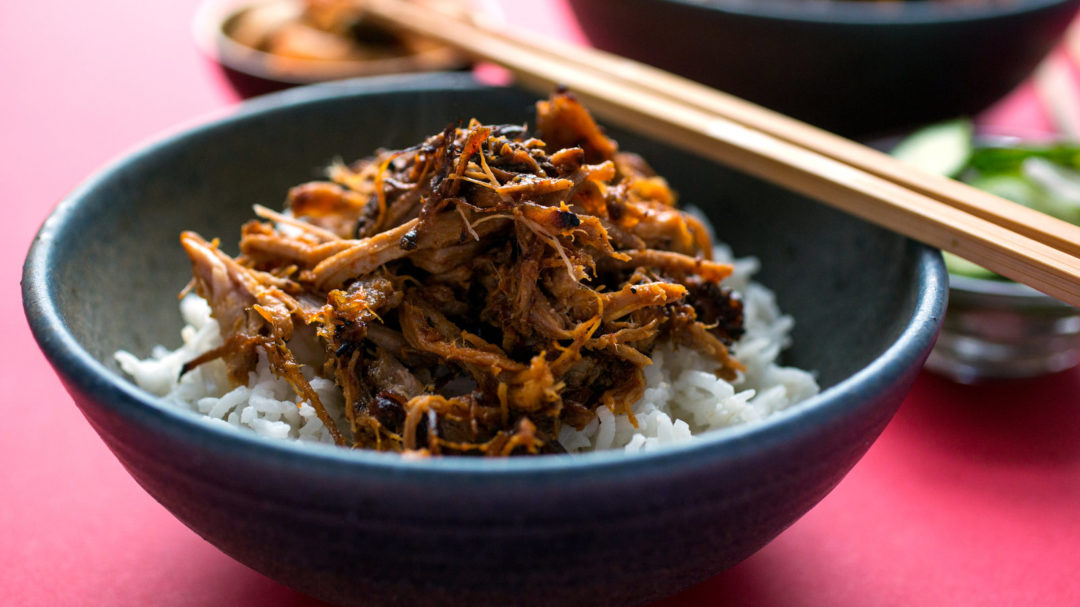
997, 329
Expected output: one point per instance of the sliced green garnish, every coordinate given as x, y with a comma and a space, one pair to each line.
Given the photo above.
941, 149
1042, 177
1008, 159
1060, 187
1010, 187
962, 267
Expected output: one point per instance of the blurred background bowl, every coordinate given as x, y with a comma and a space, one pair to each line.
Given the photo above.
857, 68
998, 329
230, 32
366, 528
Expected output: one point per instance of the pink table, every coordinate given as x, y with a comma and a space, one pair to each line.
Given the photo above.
971, 496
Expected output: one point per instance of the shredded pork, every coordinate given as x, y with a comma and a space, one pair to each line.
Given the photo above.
476, 291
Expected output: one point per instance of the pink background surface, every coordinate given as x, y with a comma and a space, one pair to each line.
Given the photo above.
971, 496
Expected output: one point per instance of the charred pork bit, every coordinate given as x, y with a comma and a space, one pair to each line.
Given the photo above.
473, 293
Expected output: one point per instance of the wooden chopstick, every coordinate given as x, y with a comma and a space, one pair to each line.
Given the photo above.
1059, 234
841, 173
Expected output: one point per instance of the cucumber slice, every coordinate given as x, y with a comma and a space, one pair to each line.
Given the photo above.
941, 149
1011, 187
1061, 187
1002, 159
962, 267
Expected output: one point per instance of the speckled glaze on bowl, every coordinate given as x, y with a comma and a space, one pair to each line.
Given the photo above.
366, 528
859, 68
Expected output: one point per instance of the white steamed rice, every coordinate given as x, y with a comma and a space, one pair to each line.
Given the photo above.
682, 398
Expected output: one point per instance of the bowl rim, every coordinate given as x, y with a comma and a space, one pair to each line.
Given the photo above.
81, 372
867, 13
1004, 288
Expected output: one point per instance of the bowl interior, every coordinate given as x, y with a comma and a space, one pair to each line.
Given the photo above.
116, 265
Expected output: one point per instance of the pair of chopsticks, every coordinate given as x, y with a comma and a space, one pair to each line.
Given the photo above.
1010, 239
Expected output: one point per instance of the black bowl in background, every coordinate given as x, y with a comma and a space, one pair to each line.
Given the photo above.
857, 68
366, 528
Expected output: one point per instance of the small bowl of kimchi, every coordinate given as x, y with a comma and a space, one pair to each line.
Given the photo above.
266, 45
450, 487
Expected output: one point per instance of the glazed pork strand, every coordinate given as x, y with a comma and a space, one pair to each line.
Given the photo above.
477, 291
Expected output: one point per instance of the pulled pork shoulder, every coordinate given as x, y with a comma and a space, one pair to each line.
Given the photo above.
474, 292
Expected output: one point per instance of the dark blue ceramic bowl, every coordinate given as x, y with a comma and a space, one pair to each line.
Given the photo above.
859, 68
366, 528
